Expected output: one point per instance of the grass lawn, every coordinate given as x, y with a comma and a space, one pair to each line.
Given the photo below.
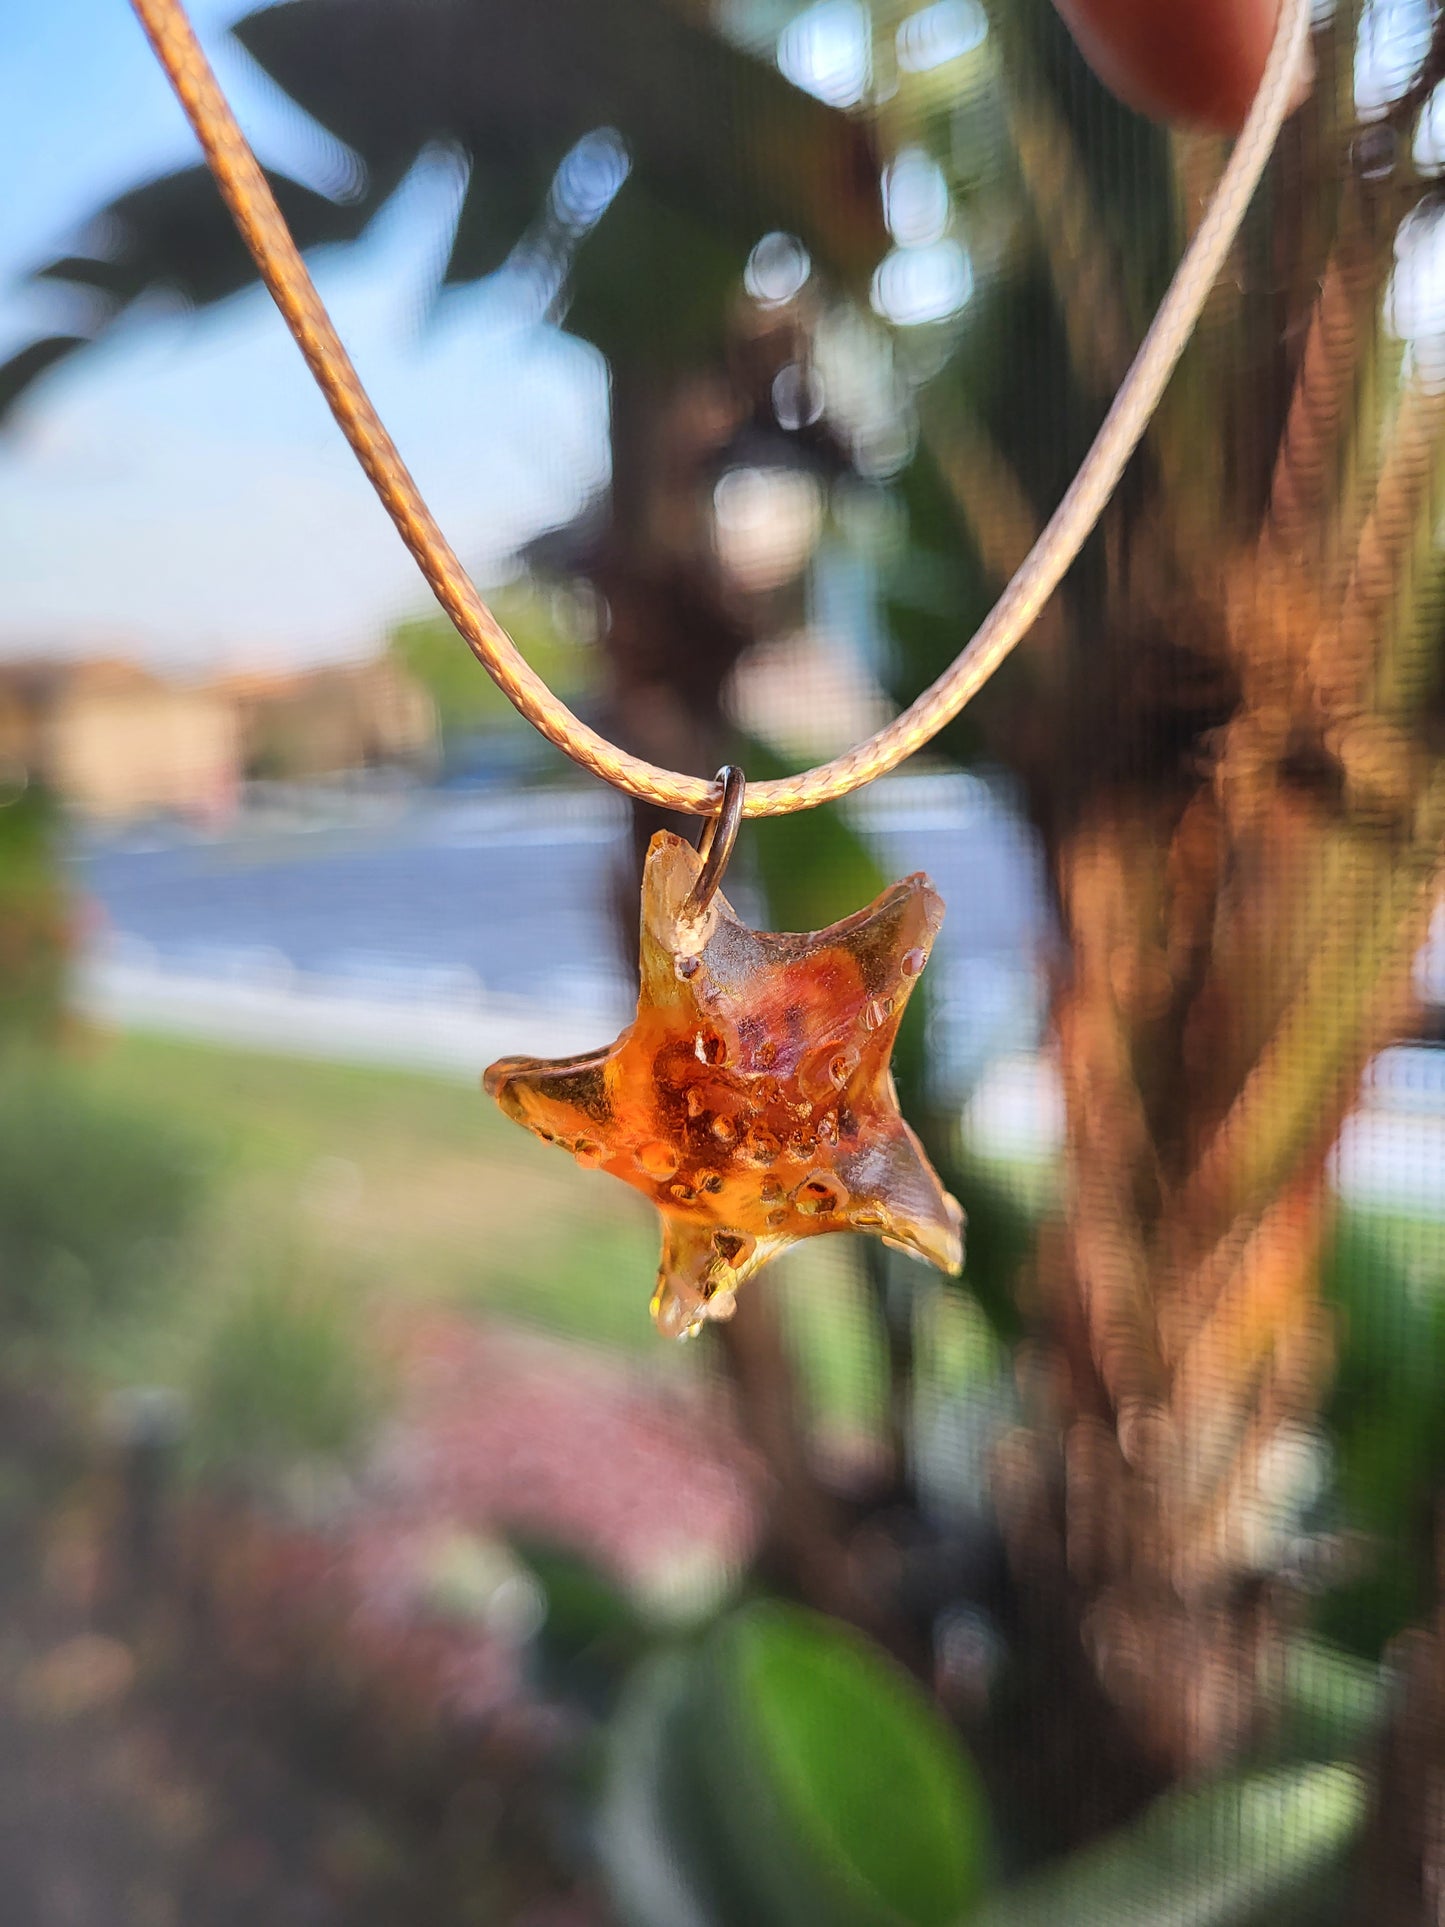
400, 1183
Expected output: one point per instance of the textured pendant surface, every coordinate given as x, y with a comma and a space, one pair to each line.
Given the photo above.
751, 1099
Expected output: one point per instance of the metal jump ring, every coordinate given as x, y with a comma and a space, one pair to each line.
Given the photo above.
715, 844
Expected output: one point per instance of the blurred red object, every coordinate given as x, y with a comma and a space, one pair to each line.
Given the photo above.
1197, 61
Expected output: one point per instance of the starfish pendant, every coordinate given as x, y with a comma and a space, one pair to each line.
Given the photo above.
751, 1099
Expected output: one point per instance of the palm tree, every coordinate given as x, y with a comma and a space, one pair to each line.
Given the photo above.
1226, 724
1230, 762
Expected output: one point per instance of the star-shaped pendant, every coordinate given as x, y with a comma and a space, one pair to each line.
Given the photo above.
751, 1099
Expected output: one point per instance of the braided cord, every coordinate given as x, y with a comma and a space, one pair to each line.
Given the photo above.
253, 207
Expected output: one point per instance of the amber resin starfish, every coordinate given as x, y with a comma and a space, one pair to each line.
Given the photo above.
751, 1099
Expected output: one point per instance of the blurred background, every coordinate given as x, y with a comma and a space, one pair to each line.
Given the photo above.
367, 1558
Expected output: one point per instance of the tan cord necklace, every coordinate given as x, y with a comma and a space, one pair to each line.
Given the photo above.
256, 214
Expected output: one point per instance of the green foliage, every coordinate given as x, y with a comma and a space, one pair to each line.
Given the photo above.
813, 865
94, 1195
937, 591
864, 1780
584, 1609
1331, 1705
1000, 1235
652, 289
547, 627
788, 1772
1244, 1853
1123, 160
1384, 1279
1018, 386
592, 1633
284, 1376
836, 1343
34, 918
409, 1136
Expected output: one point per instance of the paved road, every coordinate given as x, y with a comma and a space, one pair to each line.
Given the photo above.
507, 896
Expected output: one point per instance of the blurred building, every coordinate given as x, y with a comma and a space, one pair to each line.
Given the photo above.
369, 715
113, 741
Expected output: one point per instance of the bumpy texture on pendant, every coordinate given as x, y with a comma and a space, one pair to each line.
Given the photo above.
751, 1098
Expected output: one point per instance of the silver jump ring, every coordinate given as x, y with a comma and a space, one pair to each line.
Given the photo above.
715, 844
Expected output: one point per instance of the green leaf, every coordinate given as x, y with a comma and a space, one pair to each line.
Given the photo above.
22, 370
516, 87
650, 1883
499, 205
1226, 1856
175, 233
787, 1773
652, 286
833, 1780
1380, 1277
1331, 1704
592, 1632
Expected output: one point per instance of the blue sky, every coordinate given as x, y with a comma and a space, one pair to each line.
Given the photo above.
181, 494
